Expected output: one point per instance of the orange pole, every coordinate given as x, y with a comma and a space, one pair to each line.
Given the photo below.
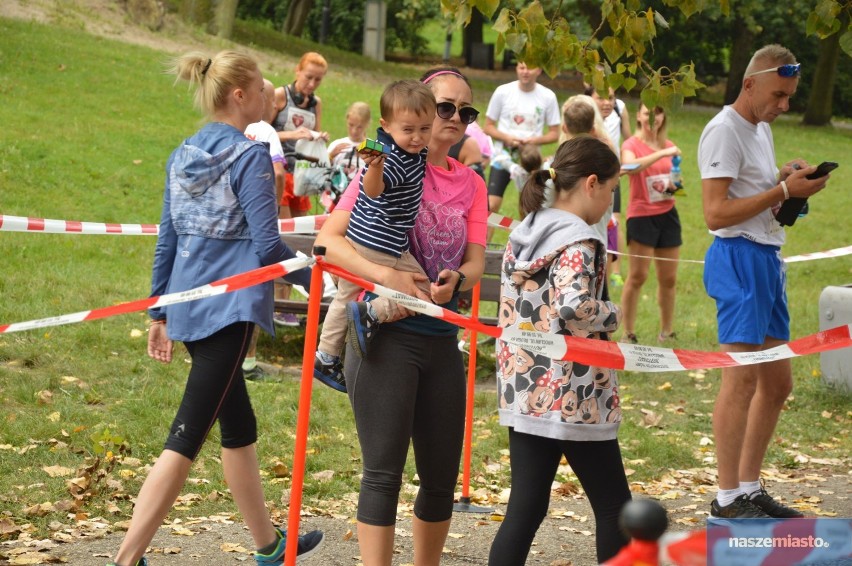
304, 417
471, 383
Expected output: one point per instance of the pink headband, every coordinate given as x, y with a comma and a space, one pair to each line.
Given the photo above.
439, 73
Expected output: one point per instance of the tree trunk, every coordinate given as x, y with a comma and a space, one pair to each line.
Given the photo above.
226, 14
297, 15
740, 56
818, 112
472, 34
196, 12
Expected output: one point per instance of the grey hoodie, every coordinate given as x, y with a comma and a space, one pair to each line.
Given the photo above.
552, 281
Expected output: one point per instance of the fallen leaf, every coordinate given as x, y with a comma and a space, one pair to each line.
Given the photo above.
57, 471
232, 547
44, 397
323, 476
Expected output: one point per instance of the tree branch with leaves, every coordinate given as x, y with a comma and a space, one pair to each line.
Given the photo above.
613, 56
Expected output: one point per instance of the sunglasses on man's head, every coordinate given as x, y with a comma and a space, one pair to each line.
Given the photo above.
467, 114
783, 71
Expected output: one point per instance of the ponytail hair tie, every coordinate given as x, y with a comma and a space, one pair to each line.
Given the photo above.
552, 173
207, 66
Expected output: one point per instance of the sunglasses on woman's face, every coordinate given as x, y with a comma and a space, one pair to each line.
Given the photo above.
786, 71
467, 114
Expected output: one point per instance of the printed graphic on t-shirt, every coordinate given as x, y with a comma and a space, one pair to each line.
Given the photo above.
656, 188
299, 118
441, 237
526, 124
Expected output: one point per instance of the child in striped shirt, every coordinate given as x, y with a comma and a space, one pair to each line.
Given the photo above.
391, 186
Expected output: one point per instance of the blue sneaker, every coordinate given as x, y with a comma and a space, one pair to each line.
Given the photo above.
363, 326
308, 544
330, 373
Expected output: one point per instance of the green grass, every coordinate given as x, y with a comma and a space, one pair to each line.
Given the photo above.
87, 127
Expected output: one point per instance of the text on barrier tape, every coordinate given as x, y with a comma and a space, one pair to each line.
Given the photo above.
600, 353
226, 285
614, 355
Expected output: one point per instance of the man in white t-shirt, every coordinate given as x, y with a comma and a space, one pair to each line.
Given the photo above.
745, 274
521, 112
264, 132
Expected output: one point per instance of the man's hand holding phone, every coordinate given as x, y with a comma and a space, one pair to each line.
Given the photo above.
800, 185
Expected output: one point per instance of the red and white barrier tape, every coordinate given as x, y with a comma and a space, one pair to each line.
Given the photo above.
48, 226
302, 224
583, 350
613, 355
226, 285
299, 225
836, 252
500, 221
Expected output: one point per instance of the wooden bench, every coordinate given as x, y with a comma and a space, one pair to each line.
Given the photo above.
489, 284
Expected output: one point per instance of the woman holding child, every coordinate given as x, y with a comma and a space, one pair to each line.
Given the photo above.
410, 385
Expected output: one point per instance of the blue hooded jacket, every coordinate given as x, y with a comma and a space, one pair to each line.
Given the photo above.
219, 219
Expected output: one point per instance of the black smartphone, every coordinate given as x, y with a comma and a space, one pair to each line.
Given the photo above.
823, 169
791, 208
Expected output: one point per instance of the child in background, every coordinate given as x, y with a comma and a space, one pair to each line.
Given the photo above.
391, 186
529, 160
616, 119
263, 131
344, 151
581, 116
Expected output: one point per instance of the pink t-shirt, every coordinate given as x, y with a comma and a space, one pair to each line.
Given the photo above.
648, 196
453, 213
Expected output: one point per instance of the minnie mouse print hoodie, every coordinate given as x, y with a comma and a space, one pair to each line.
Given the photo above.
552, 281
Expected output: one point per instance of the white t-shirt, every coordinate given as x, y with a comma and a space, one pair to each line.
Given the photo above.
613, 123
264, 132
351, 162
522, 114
731, 146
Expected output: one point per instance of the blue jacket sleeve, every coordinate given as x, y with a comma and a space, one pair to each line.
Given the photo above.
164, 253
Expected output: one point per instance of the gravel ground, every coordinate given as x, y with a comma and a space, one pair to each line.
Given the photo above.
565, 538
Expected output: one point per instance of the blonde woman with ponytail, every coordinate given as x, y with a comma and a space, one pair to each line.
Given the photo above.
219, 219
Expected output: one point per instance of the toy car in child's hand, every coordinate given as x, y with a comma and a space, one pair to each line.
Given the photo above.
372, 147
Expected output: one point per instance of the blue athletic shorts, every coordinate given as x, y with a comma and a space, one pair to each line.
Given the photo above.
749, 284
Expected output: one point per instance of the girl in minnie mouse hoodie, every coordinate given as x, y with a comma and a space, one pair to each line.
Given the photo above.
553, 276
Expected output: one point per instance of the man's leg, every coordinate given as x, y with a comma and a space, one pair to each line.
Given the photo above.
774, 384
730, 415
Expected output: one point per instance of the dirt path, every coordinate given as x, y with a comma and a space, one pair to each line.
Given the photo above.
564, 539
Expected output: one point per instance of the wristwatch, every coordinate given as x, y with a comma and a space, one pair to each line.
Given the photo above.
461, 280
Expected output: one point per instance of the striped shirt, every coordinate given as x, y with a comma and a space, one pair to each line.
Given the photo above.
382, 223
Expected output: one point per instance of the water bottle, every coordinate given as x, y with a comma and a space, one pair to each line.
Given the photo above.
675, 175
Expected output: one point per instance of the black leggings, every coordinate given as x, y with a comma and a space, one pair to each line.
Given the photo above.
215, 389
409, 388
534, 462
